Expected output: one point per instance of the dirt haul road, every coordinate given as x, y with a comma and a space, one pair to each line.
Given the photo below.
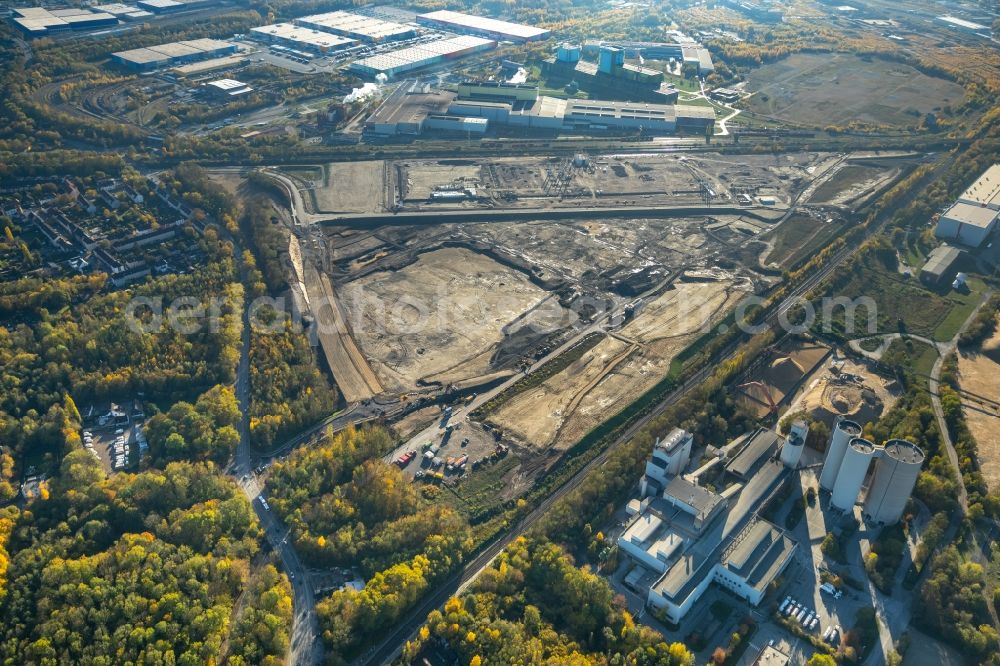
354, 376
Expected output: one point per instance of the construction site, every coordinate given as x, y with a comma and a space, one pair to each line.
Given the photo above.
766, 182
540, 327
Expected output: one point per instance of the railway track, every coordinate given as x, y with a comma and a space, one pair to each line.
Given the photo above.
392, 644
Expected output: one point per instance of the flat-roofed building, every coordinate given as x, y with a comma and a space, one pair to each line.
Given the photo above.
497, 91
419, 56
754, 559
967, 224
736, 550
650, 542
752, 453
497, 112
116, 9
482, 26
463, 125
985, 191
634, 115
212, 64
553, 113
227, 89
671, 456
940, 265
689, 537
357, 26
173, 53
548, 113
300, 37
771, 656
38, 21
161, 6
406, 109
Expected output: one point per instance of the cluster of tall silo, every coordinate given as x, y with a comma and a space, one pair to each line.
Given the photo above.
895, 476
897, 466
843, 432
853, 470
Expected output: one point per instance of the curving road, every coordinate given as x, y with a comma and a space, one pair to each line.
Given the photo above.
934, 386
306, 648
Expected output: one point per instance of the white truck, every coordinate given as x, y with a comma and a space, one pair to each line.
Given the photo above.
831, 590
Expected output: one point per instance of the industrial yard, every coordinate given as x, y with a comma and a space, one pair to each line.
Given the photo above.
844, 388
549, 326
470, 304
619, 369
438, 319
765, 183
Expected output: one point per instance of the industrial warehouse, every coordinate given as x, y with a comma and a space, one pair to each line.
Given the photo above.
976, 213
521, 106
42, 21
610, 75
683, 535
38, 22
426, 54
357, 27
484, 27
688, 52
172, 53
301, 38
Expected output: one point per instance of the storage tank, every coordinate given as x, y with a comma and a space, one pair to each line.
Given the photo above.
791, 450
568, 53
843, 432
895, 475
852, 473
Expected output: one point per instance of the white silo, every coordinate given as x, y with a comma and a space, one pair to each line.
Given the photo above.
843, 432
852, 473
791, 450
895, 475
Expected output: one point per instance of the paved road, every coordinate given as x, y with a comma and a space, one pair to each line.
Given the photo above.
934, 387
306, 648
305, 643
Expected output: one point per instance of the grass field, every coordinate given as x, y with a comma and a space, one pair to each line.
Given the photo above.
798, 238
963, 305
911, 354
845, 178
820, 90
904, 305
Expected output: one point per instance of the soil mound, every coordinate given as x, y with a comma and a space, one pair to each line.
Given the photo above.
784, 373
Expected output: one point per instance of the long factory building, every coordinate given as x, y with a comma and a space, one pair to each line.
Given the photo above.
173, 53
518, 105
690, 53
973, 218
684, 536
38, 21
482, 26
418, 56
301, 38
358, 27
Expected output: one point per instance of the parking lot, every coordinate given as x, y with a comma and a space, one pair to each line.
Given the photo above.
448, 450
115, 446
